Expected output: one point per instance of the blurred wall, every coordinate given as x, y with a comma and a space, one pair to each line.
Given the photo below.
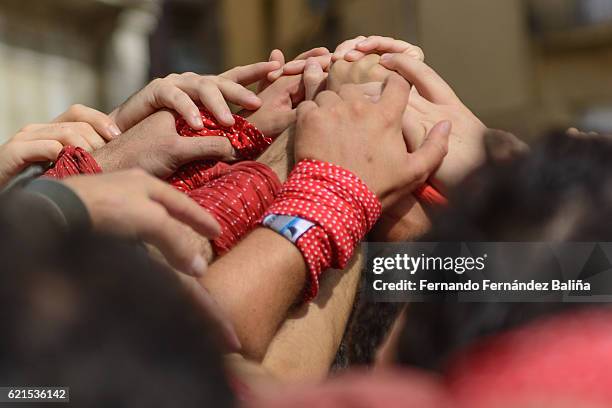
521, 65
54, 53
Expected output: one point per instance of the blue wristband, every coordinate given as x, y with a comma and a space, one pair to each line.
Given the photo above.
289, 227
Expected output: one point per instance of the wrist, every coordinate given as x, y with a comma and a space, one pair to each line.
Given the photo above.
104, 160
246, 139
340, 208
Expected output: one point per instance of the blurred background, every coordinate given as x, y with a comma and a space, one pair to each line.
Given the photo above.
521, 65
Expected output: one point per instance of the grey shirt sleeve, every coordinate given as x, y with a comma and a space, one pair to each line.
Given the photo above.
47, 198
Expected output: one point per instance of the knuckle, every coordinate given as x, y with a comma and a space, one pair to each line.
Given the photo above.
76, 109
158, 82
419, 53
173, 77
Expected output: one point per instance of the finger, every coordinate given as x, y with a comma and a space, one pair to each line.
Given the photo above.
313, 78
36, 150
183, 208
79, 134
249, 74
315, 52
68, 134
426, 159
381, 45
297, 67
394, 97
178, 97
278, 56
429, 84
102, 123
345, 47
275, 55
239, 95
212, 98
188, 149
91, 136
304, 108
156, 227
354, 55
327, 98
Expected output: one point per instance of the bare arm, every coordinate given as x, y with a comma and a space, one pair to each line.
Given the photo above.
316, 329
255, 285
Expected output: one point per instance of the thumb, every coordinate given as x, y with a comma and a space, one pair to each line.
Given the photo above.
427, 158
188, 149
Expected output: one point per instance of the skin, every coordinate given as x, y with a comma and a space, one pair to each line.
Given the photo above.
154, 146
133, 204
272, 284
315, 328
182, 92
79, 126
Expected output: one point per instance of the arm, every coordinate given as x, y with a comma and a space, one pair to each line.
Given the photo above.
266, 271
262, 288
316, 329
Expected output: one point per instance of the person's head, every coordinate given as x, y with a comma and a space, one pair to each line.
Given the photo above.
560, 191
97, 315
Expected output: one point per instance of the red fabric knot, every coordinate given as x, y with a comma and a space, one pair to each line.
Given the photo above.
73, 161
246, 139
340, 205
237, 196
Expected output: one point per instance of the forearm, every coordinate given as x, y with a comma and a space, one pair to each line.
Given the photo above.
316, 329
255, 285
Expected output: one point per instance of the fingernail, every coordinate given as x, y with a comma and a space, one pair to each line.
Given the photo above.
253, 99
198, 266
275, 74
311, 65
386, 57
197, 120
228, 118
114, 130
445, 126
294, 64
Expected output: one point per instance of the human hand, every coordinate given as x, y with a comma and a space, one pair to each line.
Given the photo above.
356, 48
366, 70
79, 126
431, 101
276, 112
182, 92
154, 146
296, 67
101, 123
365, 137
133, 204
278, 99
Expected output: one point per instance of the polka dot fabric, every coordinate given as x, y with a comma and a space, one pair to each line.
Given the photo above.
246, 139
73, 161
340, 205
237, 196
